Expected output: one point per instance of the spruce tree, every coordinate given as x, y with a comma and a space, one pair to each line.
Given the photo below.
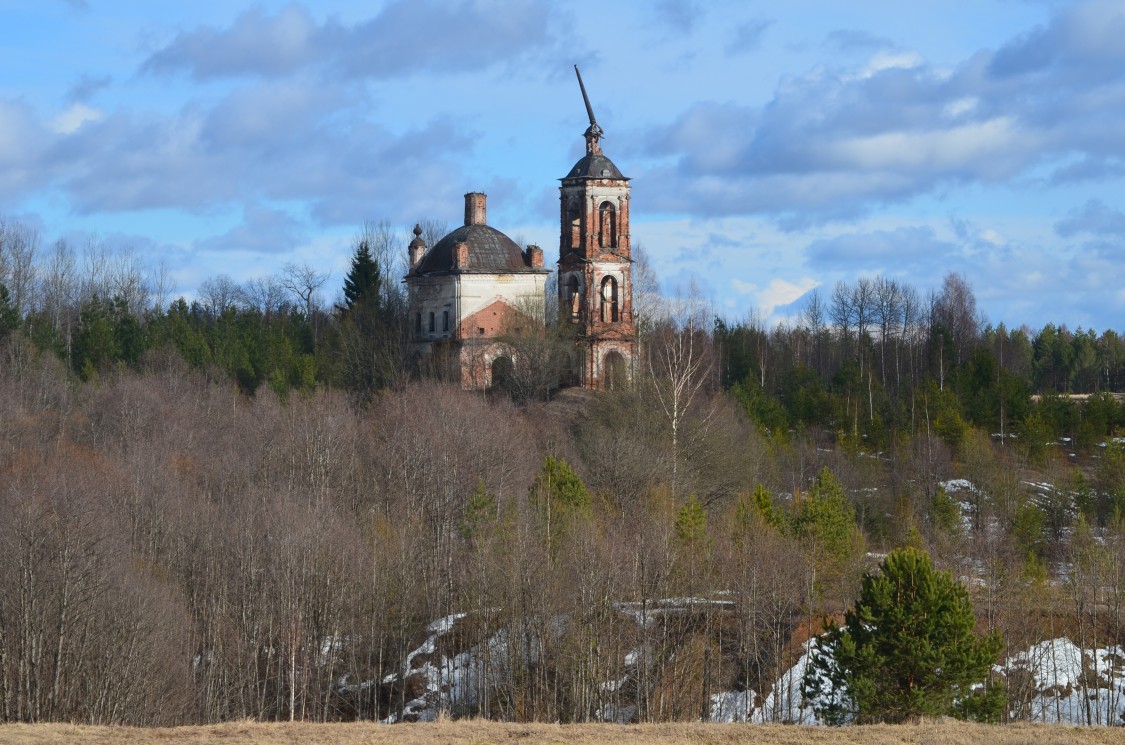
9, 316
364, 280
906, 651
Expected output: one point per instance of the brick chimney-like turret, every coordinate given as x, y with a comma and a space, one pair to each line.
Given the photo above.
475, 208
461, 255
535, 257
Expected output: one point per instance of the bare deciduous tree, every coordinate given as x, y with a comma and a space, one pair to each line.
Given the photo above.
18, 246
680, 365
303, 282
648, 305
956, 309
220, 293
265, 295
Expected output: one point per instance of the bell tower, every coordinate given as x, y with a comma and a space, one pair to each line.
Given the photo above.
595, 264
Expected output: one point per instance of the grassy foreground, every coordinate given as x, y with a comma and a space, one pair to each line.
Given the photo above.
480, 732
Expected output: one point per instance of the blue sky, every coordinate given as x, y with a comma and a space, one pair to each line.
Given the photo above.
773, 147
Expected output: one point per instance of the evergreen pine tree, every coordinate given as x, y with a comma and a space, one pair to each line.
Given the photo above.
906, 650
364, 280
691, 524
561, 497
825, 523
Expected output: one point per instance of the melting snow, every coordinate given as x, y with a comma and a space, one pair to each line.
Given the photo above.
1053, 681
784, 702
1071, 685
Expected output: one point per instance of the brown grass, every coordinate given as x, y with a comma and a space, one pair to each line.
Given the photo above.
480, 732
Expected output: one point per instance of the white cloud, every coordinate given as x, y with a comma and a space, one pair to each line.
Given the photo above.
994, 237
961, 106
74, 117
778, 292
968, 146
891, 60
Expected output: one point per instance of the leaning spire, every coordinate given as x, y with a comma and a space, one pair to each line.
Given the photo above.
593, 132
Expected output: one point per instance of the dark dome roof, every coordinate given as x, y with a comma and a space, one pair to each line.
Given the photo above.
594, 166
489, 251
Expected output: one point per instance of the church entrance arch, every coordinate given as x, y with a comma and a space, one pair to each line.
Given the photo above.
615, 374
502, 369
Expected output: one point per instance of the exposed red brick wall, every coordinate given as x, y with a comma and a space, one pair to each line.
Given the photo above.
495, 319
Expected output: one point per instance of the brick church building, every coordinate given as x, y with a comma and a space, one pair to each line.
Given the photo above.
476, 284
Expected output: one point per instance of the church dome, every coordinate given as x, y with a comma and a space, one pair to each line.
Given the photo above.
489, 251
594, 165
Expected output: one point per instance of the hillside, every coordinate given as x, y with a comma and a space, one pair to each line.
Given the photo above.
218, 522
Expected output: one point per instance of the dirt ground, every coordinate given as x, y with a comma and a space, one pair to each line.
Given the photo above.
481, 732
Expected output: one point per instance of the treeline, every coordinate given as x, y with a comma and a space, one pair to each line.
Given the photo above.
876, 361
872, 360
99, 311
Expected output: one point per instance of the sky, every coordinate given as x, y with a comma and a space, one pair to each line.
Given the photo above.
774, 148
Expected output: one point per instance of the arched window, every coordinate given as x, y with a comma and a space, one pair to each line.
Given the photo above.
610, 304
574, 221
573, 299
607, 222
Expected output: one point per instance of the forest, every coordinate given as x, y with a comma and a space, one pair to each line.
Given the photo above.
254, 505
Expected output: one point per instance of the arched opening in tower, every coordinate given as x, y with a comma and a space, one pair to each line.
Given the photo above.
608, 225
574, 221
610, 302
573, 298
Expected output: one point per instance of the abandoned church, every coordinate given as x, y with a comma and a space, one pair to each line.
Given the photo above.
476, 285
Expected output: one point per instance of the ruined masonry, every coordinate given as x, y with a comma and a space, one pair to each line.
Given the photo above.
476, 285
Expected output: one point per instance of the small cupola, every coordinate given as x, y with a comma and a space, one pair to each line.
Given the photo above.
417, 248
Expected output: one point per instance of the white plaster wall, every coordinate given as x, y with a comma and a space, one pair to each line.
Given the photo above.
476, 291
433, 295
464, 294
597, 194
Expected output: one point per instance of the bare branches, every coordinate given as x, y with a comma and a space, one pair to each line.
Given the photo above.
680, 363
219, 294
18, 246
956, 310
303, 282
266, 295
648, 305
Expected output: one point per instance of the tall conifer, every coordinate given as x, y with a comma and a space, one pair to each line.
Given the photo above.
364, 280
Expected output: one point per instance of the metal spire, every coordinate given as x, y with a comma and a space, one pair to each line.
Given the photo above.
593, 132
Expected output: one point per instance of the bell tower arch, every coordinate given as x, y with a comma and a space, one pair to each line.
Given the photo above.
595, 262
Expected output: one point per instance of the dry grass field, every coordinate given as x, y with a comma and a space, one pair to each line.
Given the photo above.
480, 733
